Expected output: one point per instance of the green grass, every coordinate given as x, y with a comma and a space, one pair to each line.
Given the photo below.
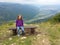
51, 31
6, 35
17, 41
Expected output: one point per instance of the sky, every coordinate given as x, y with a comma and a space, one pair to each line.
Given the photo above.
43, 2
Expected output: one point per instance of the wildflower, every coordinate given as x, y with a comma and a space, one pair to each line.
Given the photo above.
10, 38
23, 37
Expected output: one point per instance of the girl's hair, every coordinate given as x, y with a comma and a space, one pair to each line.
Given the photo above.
18, 17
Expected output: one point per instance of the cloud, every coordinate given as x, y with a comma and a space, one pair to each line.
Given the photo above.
33, 1
46, 1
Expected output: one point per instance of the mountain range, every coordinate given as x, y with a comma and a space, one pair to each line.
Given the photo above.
30, 12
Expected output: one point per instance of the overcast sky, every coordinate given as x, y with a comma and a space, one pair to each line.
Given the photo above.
46, 2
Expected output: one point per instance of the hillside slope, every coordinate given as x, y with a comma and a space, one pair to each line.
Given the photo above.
46, 34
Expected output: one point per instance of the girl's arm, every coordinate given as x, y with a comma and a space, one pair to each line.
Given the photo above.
16, 23
23, 22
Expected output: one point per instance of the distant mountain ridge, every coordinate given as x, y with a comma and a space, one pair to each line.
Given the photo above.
31, 13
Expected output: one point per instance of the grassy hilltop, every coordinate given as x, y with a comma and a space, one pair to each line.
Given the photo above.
48, 34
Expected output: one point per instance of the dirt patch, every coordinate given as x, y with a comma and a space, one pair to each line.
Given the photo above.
41, 39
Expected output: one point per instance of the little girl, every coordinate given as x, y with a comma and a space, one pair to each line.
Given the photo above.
19, 25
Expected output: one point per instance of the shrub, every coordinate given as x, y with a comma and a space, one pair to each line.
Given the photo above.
55, 19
